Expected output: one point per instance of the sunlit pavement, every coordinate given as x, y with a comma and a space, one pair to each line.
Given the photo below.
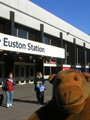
24, 103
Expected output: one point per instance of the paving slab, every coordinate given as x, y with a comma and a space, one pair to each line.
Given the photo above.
24, 103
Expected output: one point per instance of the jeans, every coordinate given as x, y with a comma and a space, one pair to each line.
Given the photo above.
9, 97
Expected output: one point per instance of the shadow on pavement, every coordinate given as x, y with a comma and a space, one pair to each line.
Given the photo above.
28, 101
3, 105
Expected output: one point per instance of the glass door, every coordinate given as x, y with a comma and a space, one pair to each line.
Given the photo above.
27, 74
16, 72
22, 73
32, 73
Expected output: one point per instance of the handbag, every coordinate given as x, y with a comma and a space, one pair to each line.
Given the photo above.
6, 87
42, 88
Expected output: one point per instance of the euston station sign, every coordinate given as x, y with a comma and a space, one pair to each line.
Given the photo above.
18, 45
15, 44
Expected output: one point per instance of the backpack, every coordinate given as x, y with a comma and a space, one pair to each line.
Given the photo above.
10, 86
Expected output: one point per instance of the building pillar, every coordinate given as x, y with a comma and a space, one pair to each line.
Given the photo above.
77, 56
61, 39
83, 59
73, 55
12, 22
40, 62
65, 53
42, 32
60, 60
9, 58
9, 64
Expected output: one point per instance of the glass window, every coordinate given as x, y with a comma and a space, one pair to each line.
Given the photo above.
15, 32
46, 40
55, 42
27, 71
32, 36
22, 33
53, 61
47, 70
87, 70
22, 71
88, 58
79, 56
1, 28
31, 71
16, 71
0, 71
47, 61
53, 70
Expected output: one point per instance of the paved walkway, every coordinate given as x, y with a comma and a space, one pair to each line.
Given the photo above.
24, 102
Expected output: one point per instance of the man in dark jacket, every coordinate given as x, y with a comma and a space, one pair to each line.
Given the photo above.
8, 86
39, 80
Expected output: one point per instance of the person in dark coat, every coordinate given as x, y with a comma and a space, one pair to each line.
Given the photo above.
39, 80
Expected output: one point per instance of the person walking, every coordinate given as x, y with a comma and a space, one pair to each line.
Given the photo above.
8, 86
38, 81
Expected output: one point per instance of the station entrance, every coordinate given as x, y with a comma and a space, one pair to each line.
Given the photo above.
24, 72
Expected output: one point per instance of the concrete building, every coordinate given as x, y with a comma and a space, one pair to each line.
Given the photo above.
32, 39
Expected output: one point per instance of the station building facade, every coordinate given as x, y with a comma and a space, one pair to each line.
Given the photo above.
32, 40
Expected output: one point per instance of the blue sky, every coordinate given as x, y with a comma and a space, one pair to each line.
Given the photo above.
75, 12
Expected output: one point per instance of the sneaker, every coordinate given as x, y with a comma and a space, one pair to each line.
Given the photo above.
8, 106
